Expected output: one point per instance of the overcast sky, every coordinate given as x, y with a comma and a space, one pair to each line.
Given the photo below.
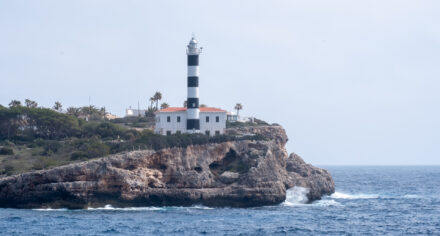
352, 82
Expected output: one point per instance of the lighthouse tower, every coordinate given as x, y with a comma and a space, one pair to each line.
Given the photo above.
192, 111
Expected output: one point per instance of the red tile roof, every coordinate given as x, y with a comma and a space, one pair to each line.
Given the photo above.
202, 109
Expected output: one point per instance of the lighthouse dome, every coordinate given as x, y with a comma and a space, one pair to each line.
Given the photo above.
193, 41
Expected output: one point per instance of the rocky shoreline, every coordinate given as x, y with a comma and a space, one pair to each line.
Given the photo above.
237, 174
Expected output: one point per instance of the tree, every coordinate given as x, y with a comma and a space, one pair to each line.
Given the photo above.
185, 103
15, 103
157, 97
30, 104
92, 113
58, 107
164, 105
102, 112
203, 105
73, 111
238, 107
152, 100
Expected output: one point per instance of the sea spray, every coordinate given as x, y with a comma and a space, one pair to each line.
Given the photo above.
296, 196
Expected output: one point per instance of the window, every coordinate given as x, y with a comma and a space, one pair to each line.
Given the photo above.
207, 119
217, 132
178, 119
168, 119
207, 132
217, 119
168, 132
178, 132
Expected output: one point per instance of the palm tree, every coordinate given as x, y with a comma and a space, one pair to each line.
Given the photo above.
152, 100
238, 107
58, 106
164, 105
157, 97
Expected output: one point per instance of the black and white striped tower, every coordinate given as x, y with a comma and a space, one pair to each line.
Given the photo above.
192, 111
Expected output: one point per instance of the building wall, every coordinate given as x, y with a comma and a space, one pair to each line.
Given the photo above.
212, 125
162, 124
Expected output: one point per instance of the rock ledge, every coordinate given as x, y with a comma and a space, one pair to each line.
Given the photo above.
237, 174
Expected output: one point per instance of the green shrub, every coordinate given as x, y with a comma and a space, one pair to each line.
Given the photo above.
51, 146
78, 155
6, 151
97, 149
104, 130
9, 169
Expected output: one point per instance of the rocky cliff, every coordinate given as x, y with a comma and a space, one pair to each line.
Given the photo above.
238, 174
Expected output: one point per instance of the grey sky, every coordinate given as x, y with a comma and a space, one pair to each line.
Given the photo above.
352, 82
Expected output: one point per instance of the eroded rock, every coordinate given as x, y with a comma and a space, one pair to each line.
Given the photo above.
238, 174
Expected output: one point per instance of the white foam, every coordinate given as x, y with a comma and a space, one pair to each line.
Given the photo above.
326, 202
201, 207
296, 196
111, 208
50, 209
411, 196
339, 195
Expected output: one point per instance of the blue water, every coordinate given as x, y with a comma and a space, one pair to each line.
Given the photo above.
368, 201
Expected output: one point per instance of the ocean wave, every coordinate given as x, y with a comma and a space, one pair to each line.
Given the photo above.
50, 209
326, 202
411, 196
111, 208
200, 207
339, 195
296, 196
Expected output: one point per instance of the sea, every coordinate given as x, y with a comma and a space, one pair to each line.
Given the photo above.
369, 200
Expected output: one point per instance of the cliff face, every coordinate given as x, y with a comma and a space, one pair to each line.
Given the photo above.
238, 174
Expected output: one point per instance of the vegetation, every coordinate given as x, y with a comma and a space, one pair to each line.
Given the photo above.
154, 101
90, 113
29, 103
58, 107
253, 122
146, 122
164, 105
34, 138
238, 107
6, 151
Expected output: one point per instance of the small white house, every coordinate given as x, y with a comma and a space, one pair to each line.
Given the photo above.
173, 120
134, 112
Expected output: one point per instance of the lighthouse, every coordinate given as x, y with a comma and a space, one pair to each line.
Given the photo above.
192, 111
192, 118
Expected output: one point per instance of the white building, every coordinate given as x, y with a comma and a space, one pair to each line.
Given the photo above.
173, 120
193, 118
134, 112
